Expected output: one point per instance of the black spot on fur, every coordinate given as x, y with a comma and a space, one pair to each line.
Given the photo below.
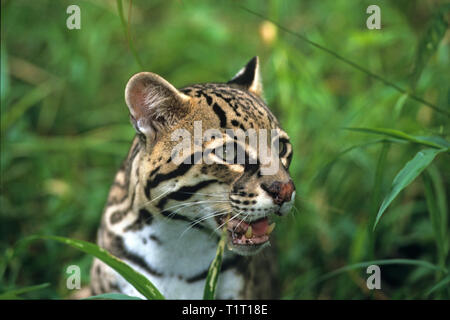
226, 265
181, 170
185, 192
235, 123
118, 249
144, 218
221, 114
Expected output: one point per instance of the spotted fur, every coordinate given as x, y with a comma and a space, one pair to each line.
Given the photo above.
165, 219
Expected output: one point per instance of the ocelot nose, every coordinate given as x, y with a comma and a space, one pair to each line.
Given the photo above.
280, 192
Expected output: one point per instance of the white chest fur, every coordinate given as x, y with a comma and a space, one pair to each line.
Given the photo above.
177, 258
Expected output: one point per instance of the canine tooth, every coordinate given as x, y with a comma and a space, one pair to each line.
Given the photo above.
270, 228
249, 232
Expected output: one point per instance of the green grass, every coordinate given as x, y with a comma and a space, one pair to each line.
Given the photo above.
65, 130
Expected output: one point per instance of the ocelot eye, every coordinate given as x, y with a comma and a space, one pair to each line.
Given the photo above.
282, 147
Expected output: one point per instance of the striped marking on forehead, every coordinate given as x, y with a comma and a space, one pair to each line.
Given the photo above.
234, 107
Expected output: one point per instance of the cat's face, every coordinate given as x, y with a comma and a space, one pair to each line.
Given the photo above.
215, 155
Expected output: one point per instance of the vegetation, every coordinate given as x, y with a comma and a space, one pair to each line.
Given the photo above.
367, 112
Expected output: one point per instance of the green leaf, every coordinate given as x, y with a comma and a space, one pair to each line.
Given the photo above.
349, 62
376, 196
136, 279
399, 104
214, 269
126, 30
411, 262
436, 140
4, 74
112, 296
14, 294
441, 203
436, 216
440, 285
29, 100
401, 135
325, 170
409, 172
428, 45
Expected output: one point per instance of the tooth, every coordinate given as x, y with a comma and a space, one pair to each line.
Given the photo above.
270, 228
249, 232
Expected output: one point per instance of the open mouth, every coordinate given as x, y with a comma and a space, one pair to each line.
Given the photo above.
247, 233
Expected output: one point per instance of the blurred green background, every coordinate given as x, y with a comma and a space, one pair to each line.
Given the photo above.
65, 128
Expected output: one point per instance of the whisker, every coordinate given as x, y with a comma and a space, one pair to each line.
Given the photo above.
216, 194
209, 215
241, 221
191, 204
228, 220
161, 195
197, 221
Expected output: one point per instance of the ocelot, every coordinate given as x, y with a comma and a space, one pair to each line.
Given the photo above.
165, 217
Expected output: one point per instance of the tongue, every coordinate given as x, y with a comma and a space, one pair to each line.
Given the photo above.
259, 227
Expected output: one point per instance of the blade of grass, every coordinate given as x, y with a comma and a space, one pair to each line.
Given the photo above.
426, 48
406, 175
411, 262
435, 139
376, 196
136, 279
399, 135
399, 104
323, 172
440, 285
6, 256
429, 44
29, 100
209, 291
4, 74
126, 30
442, 204
64, 144
112, 296
348, 62
435, 217
14, 294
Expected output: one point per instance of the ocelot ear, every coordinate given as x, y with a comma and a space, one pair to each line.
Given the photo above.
249, 77
155, 105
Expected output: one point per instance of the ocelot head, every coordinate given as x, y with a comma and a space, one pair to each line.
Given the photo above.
212, 155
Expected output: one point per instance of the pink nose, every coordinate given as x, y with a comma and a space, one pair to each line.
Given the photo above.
280, 192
